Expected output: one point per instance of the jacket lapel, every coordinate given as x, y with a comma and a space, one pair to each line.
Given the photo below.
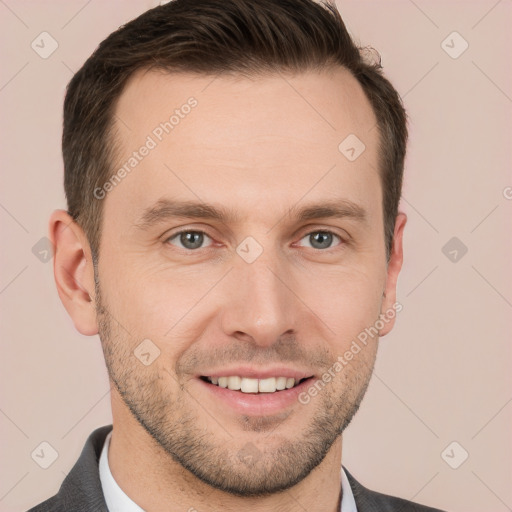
81, 490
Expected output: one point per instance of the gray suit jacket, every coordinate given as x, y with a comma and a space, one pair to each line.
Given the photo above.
81, 490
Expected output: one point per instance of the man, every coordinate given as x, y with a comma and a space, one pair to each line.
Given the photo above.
233, 171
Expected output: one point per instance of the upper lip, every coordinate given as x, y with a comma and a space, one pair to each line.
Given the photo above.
251, 372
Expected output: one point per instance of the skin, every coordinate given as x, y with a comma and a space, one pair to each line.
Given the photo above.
174, 446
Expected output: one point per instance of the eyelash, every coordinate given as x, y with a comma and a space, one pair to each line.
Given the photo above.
324, 231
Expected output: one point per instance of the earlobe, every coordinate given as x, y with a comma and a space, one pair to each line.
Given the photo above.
388, 308
73, 271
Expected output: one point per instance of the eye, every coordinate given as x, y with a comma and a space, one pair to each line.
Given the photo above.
194, 239
189, 239
322, 239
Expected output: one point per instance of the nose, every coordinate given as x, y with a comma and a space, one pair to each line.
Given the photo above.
261, 305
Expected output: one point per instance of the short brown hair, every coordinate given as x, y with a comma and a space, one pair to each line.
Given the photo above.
215, 37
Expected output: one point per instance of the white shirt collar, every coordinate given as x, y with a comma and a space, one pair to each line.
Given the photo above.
115, 498
118, 501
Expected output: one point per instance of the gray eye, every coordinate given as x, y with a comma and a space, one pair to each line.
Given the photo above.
190, 239
321, 239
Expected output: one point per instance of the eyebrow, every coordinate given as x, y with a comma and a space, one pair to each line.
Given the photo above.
166, 209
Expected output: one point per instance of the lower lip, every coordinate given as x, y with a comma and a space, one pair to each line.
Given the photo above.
257, 404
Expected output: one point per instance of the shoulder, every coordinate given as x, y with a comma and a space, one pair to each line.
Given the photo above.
372, 501
50, 505
81, 490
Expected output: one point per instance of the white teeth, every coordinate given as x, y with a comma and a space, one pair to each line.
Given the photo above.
234, 383
267, 385
247, 385
280, 383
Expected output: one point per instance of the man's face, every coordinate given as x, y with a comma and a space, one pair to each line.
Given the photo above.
261, 292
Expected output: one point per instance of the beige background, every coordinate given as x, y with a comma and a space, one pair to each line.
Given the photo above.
442, 375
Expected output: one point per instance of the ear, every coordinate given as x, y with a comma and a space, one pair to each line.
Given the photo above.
394, 266
73, 271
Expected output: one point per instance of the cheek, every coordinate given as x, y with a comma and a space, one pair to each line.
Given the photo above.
348, 301
172, 304
134, 300
162, 304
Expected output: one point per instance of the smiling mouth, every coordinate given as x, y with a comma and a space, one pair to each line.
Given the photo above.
254, 386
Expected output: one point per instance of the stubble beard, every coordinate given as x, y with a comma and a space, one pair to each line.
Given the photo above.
172, 421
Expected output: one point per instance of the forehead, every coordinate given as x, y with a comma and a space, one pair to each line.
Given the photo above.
248, 143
